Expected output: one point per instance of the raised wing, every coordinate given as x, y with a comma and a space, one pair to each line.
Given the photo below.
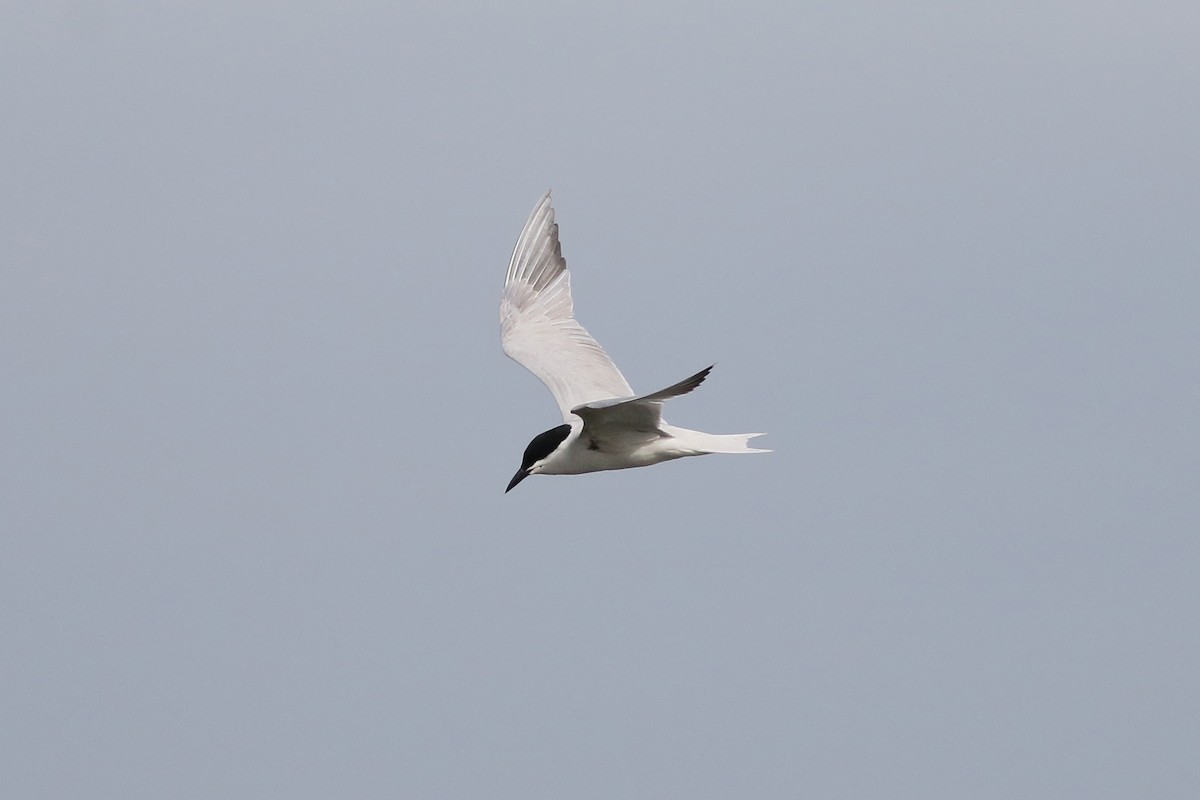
537, 323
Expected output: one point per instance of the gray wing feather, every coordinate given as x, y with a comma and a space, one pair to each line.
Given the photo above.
683, 387
641, 413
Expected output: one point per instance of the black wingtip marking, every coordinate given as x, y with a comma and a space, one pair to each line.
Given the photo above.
683, 387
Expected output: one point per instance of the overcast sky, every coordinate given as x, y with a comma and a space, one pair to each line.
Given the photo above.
255, 423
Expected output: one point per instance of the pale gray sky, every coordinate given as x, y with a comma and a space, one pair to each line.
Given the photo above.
256, 424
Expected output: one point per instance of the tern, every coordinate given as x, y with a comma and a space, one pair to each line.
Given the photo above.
605, 425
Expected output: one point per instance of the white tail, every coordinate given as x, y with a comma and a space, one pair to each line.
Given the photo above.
713, 442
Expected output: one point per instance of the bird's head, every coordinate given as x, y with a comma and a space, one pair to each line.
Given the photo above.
537, 452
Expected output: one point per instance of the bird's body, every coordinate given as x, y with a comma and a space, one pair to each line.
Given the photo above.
582, 452
605, 426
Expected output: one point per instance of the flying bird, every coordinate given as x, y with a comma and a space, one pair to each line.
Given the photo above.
605, 425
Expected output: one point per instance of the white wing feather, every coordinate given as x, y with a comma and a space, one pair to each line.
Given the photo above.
537, 323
